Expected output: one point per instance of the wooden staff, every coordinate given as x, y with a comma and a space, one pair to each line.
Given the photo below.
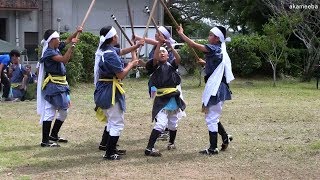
152, 19
122, 31
130, 18
148, 23
176, 24
86, 16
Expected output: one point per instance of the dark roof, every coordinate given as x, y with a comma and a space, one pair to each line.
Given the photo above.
6, 47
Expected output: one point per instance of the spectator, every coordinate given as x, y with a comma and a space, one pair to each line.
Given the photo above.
18, 75
4, 80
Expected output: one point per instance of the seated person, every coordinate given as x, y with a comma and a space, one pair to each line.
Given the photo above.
32, 77
31, 92
18, 77
5, 60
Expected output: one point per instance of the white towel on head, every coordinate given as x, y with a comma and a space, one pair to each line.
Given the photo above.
215, 78
41, 73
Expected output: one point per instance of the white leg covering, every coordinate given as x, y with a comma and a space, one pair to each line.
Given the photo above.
162, 121
173, 120
212, 118
115, 119
62, 115
49, 112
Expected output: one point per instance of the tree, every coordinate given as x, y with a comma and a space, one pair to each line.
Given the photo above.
275, 41
249, 15
244, 54
306, 27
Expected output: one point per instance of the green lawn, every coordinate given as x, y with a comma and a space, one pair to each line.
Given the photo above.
276, 136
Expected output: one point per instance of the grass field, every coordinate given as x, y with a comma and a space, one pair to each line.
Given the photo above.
276, 136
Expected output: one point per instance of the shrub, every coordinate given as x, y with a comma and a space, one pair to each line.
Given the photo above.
87, 46
243, 51
74, 66
188, 60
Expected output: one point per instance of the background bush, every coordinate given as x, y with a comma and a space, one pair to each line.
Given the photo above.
74, 66
88, 45
247, 59
189, 61
244, 54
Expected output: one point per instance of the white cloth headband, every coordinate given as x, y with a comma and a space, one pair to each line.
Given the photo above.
40, 96
163, 49
166, 33
45, 43
216, 31
110, 34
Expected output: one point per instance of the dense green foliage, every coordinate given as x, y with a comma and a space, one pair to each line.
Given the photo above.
80, 67
88, 46
244, 54
280, 40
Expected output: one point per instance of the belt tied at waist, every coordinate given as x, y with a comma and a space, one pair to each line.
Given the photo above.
55, 79
15, 85
165, 91
115, 84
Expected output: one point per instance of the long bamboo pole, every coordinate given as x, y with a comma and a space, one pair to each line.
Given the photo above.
152, 19
148, 23
86, 16
122, 31
176, 24
130, 18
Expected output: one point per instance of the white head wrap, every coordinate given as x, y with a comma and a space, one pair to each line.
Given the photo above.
45, 43
40, 97
163, 49
224, 68
99, 53
216, 31
166, 33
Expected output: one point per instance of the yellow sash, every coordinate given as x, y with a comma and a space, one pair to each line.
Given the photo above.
164, 91
55, 79
100, 115
15, 85
115, 84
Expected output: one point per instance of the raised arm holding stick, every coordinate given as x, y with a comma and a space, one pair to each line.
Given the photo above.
148, 22
176, 26
152, 19
130, 18
86, 16
122, 31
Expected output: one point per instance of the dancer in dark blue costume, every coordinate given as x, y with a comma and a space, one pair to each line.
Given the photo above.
109, 94
167, 103
53, 98
218, 76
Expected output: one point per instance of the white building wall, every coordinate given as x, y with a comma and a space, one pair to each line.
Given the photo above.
72, 13
10, 16
28, 22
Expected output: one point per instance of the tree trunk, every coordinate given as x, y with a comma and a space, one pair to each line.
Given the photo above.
274, 69
312, 61
274, 76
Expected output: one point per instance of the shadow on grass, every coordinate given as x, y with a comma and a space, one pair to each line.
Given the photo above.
64, 157
18, 148
135, 142
191, 86
76, 155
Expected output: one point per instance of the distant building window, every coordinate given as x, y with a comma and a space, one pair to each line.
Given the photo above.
31, 44
3, 26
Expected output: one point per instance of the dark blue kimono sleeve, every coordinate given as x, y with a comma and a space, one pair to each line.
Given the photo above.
114, 62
